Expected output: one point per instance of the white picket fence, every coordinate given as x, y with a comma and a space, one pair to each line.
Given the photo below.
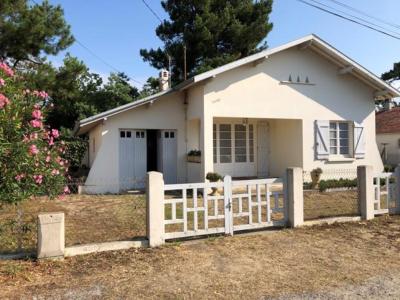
386, 198
193, 209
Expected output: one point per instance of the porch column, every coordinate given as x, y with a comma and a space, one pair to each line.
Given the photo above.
206, 145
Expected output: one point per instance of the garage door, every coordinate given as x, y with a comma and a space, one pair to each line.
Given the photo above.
167, 155
132, 159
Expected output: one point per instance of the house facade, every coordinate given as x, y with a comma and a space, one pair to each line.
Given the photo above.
388, 135
303, 104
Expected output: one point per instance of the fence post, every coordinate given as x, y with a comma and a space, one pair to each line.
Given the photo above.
294, 193
366, 193
155, 208
228, 205
397, 182
51, 235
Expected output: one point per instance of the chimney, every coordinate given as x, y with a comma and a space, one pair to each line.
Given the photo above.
164, 80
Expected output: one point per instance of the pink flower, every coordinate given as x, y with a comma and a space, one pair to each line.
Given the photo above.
51, 141
66, 190
19, 177
38, 179
36, 123
3, 101
33, 150
55, 172
48, 158
55, 133
33, 136
6, 69
37, 114
40, 94
2, 82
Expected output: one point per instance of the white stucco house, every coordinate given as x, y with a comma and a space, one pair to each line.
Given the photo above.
302, 104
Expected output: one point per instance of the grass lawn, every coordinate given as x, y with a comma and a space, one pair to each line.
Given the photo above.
88, 219
267, 264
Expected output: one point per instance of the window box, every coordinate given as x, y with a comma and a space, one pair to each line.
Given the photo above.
194, 159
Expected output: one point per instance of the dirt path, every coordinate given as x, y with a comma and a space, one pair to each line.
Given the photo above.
340, 261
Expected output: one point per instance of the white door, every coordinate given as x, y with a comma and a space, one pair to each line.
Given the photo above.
262, 149
132, 159
167, 155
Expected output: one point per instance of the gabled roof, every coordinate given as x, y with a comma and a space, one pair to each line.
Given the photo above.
311, 42
388, 121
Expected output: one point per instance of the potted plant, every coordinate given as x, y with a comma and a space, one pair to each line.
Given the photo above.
194, 156
315, 177
214, 177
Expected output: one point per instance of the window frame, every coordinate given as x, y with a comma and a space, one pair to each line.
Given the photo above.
338, 139
250, 152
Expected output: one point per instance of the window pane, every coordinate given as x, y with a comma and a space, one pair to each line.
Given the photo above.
333, 150
251, 143
333, 142
344, 134
172, 134
128, 134
344, 142
122, 134
332, 125
343, 126
332, 134
215, 143
344, 150
240, 143
225, 143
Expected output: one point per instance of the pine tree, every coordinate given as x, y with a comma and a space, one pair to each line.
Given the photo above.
215, 32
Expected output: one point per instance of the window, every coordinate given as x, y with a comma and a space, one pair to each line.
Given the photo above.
339, 138
233, 143
215, 143
251, 143
122, 134
225, 143
240, 143
128, 134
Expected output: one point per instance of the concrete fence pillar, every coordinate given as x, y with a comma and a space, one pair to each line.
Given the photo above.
155, 208
366, 193
51, 235
294, 194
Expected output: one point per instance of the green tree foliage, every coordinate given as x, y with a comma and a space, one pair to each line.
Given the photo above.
215, 32
28, 31
151, 87
393, 74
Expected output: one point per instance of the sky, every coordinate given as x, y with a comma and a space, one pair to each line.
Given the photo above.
116, 30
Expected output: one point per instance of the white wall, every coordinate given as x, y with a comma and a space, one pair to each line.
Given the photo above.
392, 147
165, 114
257, 92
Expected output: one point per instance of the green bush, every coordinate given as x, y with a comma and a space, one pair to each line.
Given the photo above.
75, 149
213, 177
337, 183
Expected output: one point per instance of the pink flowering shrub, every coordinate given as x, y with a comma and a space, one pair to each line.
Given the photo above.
31, 162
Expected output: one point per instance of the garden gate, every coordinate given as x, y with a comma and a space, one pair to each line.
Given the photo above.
195, 209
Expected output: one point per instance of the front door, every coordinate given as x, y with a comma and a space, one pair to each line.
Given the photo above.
262, 149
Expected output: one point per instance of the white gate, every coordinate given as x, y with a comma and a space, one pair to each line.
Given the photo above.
386, 193
223, 207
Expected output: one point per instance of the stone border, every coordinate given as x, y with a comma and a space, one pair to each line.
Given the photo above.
330, 221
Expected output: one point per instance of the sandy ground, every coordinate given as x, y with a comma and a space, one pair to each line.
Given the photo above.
351, 260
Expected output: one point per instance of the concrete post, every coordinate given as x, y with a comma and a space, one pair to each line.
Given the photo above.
365, 181
51, 235
155, 208
294, 194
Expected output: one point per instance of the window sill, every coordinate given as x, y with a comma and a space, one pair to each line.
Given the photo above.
341, 159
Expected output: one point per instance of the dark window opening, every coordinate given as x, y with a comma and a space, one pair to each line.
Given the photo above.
151, 150
122, 134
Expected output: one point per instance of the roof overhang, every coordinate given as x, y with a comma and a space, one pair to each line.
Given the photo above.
346, 66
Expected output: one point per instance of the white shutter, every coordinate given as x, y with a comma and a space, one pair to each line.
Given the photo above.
359, 140
322, 139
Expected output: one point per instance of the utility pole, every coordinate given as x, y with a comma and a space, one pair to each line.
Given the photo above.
184, 63
169, 70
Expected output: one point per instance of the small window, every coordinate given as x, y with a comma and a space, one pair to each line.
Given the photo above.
142, 134
172, 134
122, 134
128, 134
339, 138
166, 134
137, 134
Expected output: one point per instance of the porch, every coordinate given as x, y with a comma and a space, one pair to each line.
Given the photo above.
244, 147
